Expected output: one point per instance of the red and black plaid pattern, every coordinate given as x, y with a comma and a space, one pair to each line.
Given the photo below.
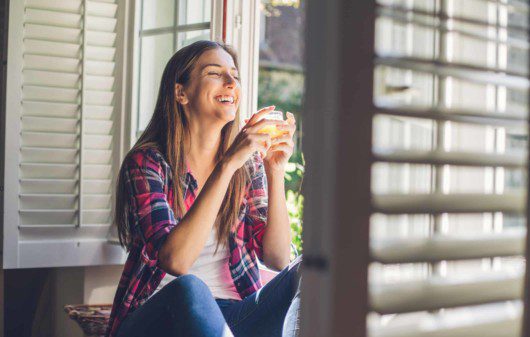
151, 219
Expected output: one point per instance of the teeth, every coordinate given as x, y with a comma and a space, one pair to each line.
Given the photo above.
225, 99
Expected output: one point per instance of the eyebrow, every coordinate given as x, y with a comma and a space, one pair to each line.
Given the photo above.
215, 65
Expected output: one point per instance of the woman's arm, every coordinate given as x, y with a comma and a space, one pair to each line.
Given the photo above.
277, 236
186, 241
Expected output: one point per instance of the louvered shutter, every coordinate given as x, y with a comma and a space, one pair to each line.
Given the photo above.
449, 179
60, 134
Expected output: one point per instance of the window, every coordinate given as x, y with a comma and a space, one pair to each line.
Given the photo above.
165, 27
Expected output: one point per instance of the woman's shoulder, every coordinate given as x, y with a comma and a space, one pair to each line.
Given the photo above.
146, 157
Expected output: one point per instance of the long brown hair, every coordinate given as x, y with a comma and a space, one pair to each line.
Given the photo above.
165, 132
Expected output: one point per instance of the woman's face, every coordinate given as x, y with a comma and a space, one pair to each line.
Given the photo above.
213, 90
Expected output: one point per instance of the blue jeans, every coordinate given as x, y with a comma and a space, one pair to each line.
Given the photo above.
185, 307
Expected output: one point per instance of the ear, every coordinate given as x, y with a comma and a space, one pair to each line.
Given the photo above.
180, 95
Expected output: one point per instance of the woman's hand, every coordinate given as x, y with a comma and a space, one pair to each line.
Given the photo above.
282, 147
248, 140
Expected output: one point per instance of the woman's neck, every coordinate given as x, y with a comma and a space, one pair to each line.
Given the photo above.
202, 144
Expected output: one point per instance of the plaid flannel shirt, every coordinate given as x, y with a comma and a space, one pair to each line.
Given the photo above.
151, 219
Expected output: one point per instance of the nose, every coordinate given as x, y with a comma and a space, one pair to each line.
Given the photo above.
230, 81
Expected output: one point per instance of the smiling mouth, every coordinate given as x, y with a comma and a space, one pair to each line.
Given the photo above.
225, 99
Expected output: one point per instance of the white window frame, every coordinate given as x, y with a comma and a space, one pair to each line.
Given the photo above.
240, 18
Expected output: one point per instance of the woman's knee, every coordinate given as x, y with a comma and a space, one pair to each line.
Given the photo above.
188, 286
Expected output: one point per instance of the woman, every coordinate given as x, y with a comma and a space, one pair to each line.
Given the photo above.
197, 201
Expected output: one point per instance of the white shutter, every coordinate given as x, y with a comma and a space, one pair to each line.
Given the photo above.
410, 292
60, 134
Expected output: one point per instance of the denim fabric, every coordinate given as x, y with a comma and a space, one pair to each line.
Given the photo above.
272, 311
185, 307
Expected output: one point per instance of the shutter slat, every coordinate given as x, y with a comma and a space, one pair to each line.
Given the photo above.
100, 68
454, 203
53, 18
425, 21
51, 63
104, 83
98, 112
97, 171
460, 19
48, 155
98, 127
101, 39
95, 186
96, 216
462, 116
58, 217
489, 320
51, 79
438, 292
73, 6
47, 186
49, 94
50, 48
42, 124
452, 158
99, 97
465, 72
98, 156
62, 232
50, 109
448, 247
102, 24
101, 9
48, 171
50, 201
49, 33
48, 139
100, 53
96, 201
100, 142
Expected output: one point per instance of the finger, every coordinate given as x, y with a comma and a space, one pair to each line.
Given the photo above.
262, 112
282, 139
281, 148
290, 128
290, 118
261, 124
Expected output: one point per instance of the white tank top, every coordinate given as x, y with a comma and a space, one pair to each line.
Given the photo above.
212, 270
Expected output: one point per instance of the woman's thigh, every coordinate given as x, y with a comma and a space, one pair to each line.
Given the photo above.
185, 307
263, 313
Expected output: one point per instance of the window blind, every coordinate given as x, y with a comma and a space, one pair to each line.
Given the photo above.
61, 160
450, 156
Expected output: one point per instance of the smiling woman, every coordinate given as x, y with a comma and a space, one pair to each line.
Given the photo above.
198, 202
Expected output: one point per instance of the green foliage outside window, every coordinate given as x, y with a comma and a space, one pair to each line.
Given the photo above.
284, 89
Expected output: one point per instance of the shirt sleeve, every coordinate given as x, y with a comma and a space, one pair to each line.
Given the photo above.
257, 205
153, 218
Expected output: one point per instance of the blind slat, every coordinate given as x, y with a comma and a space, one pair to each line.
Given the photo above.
445, 292
490, 320
465, 72
447, 247
456, 115
518, 160
513, 202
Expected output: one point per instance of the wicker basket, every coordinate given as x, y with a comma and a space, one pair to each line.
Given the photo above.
93, 319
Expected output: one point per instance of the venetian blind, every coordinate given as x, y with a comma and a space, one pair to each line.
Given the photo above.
449, 178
